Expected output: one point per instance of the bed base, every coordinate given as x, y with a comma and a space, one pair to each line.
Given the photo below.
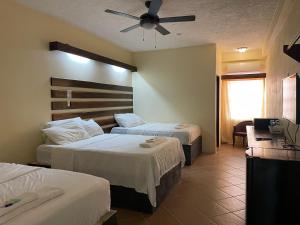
123, 197
109, 218
192, 151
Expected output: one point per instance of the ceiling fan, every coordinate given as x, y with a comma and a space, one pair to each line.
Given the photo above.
150, 19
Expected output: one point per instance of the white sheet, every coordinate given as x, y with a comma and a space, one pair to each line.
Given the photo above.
85, 200
121, 160
186, 135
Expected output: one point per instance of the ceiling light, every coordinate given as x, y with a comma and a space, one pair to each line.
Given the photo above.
242, 49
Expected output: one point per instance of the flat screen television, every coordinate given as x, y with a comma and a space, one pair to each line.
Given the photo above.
291, 98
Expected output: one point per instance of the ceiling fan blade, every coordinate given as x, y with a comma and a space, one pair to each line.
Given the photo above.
154, 7
162, 30
177, 19
122, 14
130, 28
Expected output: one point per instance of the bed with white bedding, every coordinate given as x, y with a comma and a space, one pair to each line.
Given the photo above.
140, 170
119, 159
84, 200
188, 134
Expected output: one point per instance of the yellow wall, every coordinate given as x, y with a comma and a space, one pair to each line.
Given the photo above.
236, 62
26, 67
280, 65
178, 85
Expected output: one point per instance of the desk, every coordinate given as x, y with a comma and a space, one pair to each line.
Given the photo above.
272, 182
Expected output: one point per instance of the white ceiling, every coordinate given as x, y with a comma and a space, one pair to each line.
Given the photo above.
229, 23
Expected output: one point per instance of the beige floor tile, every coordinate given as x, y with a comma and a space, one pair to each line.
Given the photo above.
215, 194
190, 216
204, 194
235, 180
241, 214
161, 217
218, 183
210, 208
233, 190
232, 204
242, 186
241, 198
229, 219
236, 171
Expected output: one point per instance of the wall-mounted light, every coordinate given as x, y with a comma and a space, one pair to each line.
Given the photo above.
242, 49
69, 97
118, 69
78, 58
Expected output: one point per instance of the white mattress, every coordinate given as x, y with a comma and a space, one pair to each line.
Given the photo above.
43, 154
85, 200
186, 135
120, 159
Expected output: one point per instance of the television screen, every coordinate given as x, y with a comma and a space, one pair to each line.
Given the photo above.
291, 98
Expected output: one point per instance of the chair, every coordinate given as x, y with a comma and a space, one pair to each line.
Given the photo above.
239, 130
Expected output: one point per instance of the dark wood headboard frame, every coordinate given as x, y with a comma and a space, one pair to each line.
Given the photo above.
90, 100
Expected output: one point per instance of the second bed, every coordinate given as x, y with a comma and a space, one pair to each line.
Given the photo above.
189, 135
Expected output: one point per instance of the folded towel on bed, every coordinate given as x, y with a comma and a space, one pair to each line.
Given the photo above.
26, 202
17, 202
150, 143
182, 126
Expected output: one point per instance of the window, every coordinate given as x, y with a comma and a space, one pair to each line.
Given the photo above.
245, 99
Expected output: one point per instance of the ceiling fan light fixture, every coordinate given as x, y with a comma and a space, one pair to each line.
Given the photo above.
242, 49
148, 21
151, 20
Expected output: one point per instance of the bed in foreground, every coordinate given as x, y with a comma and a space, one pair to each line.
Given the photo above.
68, 197
140, 177
189, 135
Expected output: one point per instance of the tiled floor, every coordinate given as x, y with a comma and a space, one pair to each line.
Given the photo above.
211, 191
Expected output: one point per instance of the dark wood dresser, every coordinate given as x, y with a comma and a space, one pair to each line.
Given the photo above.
273, 182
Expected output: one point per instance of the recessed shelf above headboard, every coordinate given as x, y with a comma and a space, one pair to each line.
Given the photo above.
90, 100
58, 46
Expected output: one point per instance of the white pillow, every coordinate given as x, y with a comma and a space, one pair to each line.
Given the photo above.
129, 120
61, 122
92, 127
62, 135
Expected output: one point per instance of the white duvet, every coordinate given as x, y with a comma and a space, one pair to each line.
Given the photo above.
121, 160
186, 135
85, 200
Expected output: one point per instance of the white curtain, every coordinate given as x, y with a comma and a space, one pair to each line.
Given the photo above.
241, 100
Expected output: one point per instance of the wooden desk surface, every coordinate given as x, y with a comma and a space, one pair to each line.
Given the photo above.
269, 149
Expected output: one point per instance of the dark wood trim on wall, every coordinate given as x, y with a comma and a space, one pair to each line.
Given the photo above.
87, 84
82, 94
87, 115
55, 45
90, 100
89, 105
244, 76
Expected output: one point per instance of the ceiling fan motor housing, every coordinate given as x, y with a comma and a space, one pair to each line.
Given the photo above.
147, 4
148, 21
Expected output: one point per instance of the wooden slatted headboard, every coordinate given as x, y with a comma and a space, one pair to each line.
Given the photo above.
90, 100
